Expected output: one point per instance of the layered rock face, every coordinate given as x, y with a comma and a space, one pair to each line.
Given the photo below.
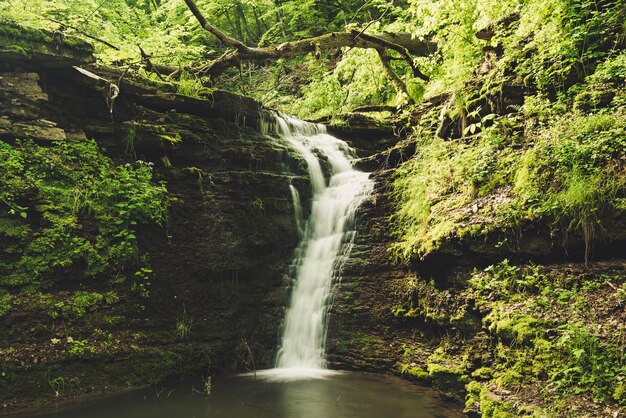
512, 315
215, 268
486, 325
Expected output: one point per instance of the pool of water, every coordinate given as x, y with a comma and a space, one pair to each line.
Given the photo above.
272, 395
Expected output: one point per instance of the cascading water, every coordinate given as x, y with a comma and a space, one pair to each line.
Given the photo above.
293, 388
327, 237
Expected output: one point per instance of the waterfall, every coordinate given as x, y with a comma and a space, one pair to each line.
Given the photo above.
326, 239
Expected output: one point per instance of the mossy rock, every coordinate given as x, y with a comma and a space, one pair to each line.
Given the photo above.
619, 394
415, 373
43, 47
521, 328
449, 381
481, 402
484, 373
588, 100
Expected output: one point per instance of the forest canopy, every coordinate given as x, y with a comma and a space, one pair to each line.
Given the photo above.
315, 81
166, 31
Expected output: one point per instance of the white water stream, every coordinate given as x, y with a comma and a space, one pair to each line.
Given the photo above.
326, 240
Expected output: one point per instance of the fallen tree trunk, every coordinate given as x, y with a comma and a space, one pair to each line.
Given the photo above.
402, 43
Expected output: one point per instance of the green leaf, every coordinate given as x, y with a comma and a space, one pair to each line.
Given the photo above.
578, 353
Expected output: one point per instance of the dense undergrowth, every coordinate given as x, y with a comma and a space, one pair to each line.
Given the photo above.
537, 143
551, 340
567, 171
67, 210
556, 158
577, 348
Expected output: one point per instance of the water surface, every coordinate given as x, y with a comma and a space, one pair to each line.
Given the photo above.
334, 395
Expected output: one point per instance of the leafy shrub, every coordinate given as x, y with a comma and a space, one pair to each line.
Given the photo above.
568, 173
68, 206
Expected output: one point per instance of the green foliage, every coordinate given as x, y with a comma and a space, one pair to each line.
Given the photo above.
573, 173
357, 80
434, 188
491, 406
422, 299
141, 282
164, 32
5, 302
611, 70
451, 24
183, 325
319, 98
191, 86
83, 211
415, 372
567, 38
129, 140
568, 173
586, 363
507, 281
513, 326
568, 356
80, 347
79, 304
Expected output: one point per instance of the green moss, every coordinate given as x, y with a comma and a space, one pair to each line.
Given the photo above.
554, 161
473, 389
449, 381
422, 299
26, 40
415, 372
566, 176
588, 100
67, 206
513, 326
530, 350
77, 306
619, 394
493, 408
5, 302
483, 373
367, 343
480, 398
13, 31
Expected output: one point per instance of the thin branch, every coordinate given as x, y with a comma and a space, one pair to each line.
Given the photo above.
146, 58
225, 39
86, 19
401, 50
357, 11
374, 21
82, 32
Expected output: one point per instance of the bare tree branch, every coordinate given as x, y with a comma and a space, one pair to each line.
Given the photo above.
403, 44
82, 32
397, 83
